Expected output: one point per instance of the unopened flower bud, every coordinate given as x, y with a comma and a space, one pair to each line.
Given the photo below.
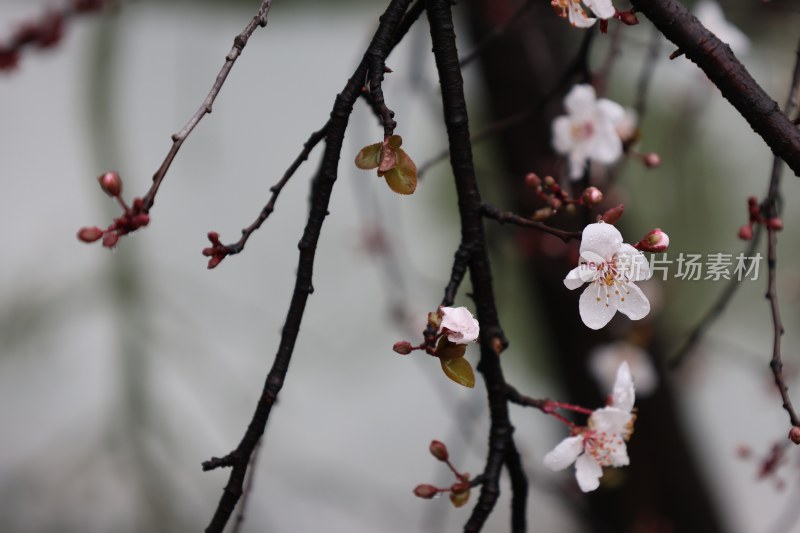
555, 203
775, 223
592, 196
613, 214
794, 434
435, 320
532, 181
628, 18
652, 160
439, 450
111, 183
549, 181
543, 214
110, 239
90, 234
425, 491
214, 261
655, 241
746, 232
402, 347
142, 219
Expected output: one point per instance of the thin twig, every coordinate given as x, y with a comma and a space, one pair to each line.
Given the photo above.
239, 42
507, 217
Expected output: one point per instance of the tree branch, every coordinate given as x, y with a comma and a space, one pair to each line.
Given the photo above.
719, 63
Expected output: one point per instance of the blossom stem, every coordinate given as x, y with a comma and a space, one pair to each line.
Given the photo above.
552, 404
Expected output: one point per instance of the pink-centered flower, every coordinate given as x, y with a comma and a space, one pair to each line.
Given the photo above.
602, 442
610, 266
575, 11
591, 129
459, 325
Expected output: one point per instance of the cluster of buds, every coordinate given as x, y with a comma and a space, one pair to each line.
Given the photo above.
557, 198
132, 218
459, 490
45, 32
655, 241
756, 214
217, 251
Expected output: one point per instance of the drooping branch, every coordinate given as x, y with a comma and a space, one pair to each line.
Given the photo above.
322, 187
507, 217
259, 20
492, 339
733, 80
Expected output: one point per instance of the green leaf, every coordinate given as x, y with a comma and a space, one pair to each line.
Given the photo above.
460, 371
402, 178
446, 350
369, 157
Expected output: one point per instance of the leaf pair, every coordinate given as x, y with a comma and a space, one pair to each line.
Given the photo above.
392, 163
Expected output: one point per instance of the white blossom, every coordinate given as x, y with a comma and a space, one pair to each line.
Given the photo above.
461, 326
710, 14
610, 266
575, 11
602, 442
590, 130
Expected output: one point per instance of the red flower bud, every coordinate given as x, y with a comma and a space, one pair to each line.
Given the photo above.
627, 17
532, 181
655, 241
613, 214
425, 491
110, 239
142, 219
402, 347
214, 261
592, 196
111, 183
746, 232
794, 434
90, 234
439, 450
775, 223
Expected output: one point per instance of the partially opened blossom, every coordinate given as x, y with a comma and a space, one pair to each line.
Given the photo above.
610, 266
602, 442
591, 129
459, 325
575, 11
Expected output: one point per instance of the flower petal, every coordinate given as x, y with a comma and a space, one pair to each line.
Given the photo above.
580, 100
633, 264
610, 420
564, 454
576, 277
601, 239
634, 304
602, 8
577, 161
624, 393
595, 308
461, 325
563, 141
606, 146
588, 473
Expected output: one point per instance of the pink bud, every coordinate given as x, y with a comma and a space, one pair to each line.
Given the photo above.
425, 491
90, 234
138, 204
652, 160
655, 241
142, 219
439, 450
746, 232
555, 203
794, 434
613, 214
532, 181
214, 261
775, 223
111, 183
110, 239
549, 181
592, 196
402, 347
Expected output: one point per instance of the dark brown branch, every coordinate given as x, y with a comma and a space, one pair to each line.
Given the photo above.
719, 63
322, 187
646, 74
492, 339
507, 217
514, 396
259, 20
496, 32
248, 490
